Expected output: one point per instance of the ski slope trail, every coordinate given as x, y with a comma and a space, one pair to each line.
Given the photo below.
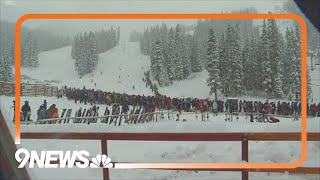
55, 67
118, 70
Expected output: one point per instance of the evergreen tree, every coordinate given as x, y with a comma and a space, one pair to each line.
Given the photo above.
186, 60
266, 62
248, 65
156, 59
195, 55
213, 65
6, 74
82, 56
274, 43
223, 64
172, 57
179, 67
296, 74
34, 51
234, 58
92, 54
288, 62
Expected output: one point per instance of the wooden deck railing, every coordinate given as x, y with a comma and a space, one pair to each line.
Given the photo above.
243, 137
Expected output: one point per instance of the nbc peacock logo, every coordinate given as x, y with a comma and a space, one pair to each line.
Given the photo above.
101, 161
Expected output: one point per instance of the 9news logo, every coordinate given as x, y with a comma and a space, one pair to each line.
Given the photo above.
64, 159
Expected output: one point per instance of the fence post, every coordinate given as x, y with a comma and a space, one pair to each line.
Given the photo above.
245, 156
104, 150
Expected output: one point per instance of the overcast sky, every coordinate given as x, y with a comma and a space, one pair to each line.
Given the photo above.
11, 10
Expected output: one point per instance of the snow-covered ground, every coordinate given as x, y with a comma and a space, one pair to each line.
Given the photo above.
126, 61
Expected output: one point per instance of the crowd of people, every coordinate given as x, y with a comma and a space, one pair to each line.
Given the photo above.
163, 102
42, 113
152, 86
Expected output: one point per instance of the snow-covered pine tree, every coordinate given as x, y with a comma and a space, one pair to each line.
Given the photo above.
223, 64
288, 63
278, 92
186, 59
6, 74
297, 59
195, 55
237, 64
82, 56
172, 58
12, 55
26, 50
256, 69
248, 65
34, 61
273, 36
179, 67
92, 54
74, 47
233, 55
156, 59
265, 61
160, 66
213, 65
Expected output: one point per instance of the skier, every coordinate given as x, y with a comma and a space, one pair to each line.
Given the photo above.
26, 111
215, 108
41, 113
52, 112
133, 88
45, 105
14, 110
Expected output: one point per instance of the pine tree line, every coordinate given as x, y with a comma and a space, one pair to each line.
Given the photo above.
107, 39
268, 63
40, 40
29, 51
87, 46
174, 54
262, 61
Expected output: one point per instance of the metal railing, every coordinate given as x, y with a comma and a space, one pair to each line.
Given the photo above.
96, 118
164, 113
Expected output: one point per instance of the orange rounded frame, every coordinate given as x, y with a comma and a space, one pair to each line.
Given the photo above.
299, 19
